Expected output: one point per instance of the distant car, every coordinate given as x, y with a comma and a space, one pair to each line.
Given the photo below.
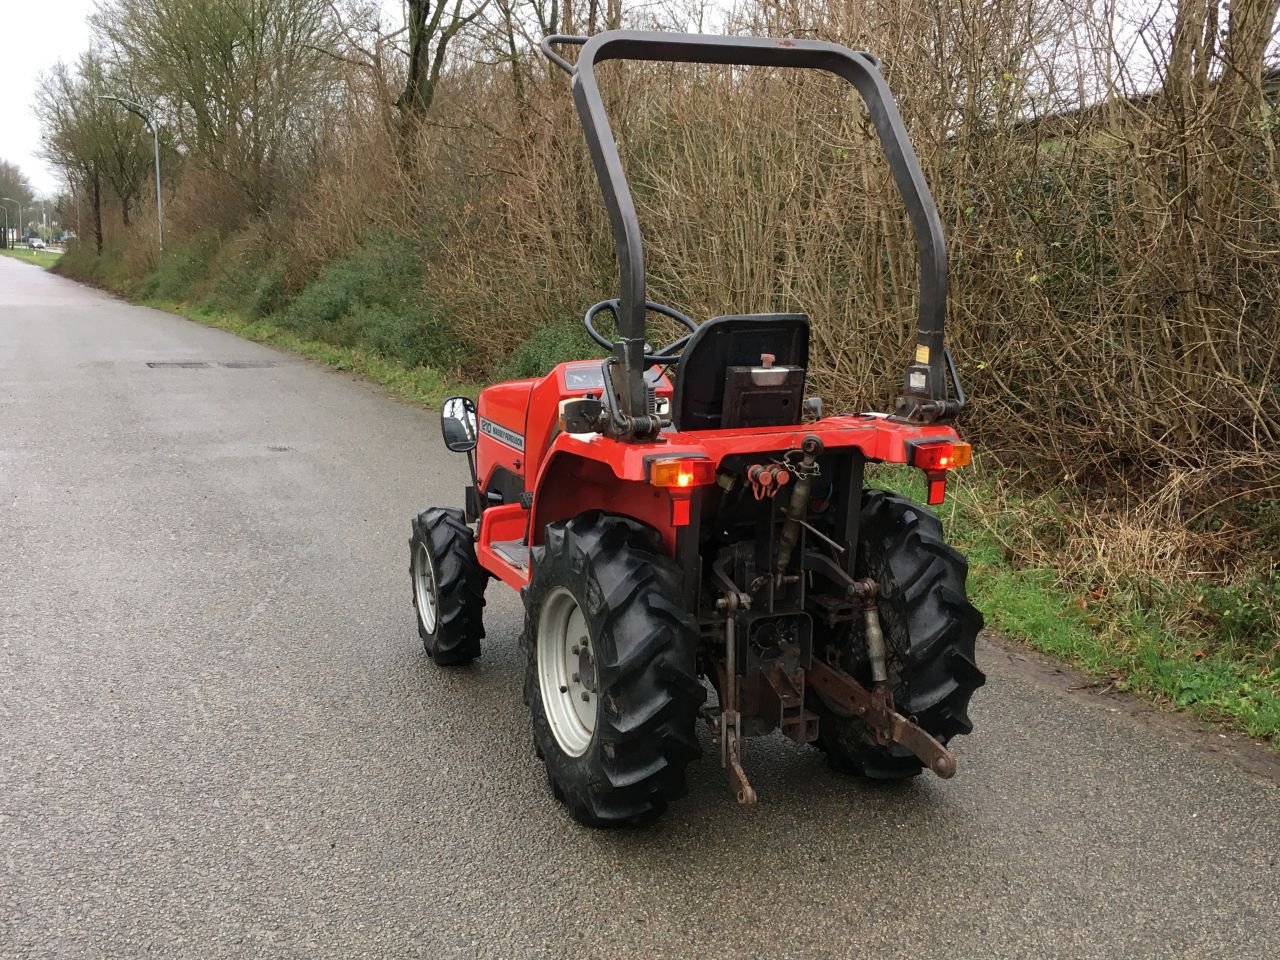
35, 243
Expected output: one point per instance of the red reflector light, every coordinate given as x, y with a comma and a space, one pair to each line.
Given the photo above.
678, 474
942, 455
937, 489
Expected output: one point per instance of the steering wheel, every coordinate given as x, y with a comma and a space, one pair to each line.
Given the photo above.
666, 354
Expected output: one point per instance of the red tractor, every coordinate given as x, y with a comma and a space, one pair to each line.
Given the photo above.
683, 520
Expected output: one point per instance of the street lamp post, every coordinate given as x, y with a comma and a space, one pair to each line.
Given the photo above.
19, 203
6, 228
137, 110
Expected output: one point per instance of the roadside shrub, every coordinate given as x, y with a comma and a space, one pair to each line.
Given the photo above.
373, 300
236, 273
411, 335
81, 262
268, 294
384, 271
180, 270
548, 345
322, 302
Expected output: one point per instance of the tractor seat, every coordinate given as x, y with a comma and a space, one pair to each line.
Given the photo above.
722, 381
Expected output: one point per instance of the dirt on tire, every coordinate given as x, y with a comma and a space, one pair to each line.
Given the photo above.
930, 628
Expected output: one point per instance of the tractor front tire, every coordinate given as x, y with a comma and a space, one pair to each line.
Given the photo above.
930, 629
611, 680
448, 586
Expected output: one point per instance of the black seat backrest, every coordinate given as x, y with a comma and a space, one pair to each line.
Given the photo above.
724, 342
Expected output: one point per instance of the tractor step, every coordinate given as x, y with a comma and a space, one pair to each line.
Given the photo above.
515, 552
500, 545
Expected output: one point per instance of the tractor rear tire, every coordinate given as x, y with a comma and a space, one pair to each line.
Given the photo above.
614, 711
930, 629
448, 586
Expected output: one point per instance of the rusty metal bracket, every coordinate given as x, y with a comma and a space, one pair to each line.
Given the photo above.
743, 791
786, 693
875, 709
730, 718
731, 737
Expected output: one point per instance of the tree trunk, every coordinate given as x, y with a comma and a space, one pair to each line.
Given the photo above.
1213, 191
513, 51
419, 88
430, 33
97, 211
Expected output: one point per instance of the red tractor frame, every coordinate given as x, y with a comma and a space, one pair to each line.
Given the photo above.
709, 532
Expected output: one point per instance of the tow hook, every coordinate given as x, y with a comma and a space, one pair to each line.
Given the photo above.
875, 709
730, 715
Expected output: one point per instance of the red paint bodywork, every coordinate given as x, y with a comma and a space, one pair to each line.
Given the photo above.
506, 404
571, 473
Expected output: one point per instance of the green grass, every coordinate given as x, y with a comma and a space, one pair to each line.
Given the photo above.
1125, 639
41, 258
1130, 650
417, 384
1209, 650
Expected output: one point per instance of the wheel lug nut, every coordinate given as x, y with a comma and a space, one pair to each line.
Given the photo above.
585, 696
574, 651
576, 678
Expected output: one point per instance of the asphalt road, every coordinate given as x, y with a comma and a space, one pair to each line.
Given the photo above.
219, 736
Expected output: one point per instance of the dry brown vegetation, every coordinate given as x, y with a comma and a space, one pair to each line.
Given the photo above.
1107, 179
1115, 263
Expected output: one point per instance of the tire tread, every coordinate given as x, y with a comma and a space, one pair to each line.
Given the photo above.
460, 583
924, 578
650, 692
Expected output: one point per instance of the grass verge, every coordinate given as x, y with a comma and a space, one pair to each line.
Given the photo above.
1210, 650
422, 385
1142, 640
1122, 638
42, 258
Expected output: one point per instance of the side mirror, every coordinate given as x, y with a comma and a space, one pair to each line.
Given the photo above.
458, 424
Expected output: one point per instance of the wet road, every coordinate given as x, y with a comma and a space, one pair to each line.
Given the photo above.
219, 736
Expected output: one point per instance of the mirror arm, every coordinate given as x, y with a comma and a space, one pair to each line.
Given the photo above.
471, 462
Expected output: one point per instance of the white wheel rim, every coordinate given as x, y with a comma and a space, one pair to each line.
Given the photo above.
424, 587
567, 672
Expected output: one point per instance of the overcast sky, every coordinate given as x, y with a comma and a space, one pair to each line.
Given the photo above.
36, 34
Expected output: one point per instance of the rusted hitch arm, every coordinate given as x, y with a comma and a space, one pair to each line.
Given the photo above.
876, 710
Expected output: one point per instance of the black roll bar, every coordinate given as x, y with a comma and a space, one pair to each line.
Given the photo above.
925, 386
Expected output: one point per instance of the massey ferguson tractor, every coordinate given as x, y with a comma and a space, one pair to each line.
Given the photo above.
691, 535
